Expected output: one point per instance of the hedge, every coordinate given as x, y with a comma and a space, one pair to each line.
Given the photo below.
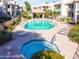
47, 55
27, 17
74, 34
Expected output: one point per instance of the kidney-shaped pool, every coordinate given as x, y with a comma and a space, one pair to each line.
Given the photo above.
31, 47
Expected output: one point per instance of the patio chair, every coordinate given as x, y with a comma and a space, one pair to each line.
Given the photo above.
67, 26
64, 31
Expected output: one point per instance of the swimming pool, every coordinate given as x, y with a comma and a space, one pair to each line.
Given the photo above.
34, 46
39, 25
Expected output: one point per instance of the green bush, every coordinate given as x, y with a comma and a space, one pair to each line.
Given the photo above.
77, 21
12, 25
68, 19
27, 17
47, 55
23, 13
74, 33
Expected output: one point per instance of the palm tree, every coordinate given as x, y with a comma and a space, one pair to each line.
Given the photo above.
28, 7
55, 13
52, 13
38, 14
48, 12
23, 13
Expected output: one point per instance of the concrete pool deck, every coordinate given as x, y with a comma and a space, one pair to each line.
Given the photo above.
11, 50
66, 47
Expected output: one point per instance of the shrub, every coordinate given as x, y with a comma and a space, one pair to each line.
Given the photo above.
74, 33
23, 13
69, 19
27, 17
47, 55
77, 21
12, 25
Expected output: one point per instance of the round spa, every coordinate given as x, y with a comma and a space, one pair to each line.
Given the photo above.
34, 46
39, 25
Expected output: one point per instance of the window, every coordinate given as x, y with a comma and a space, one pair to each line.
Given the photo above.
78, 17
8, 6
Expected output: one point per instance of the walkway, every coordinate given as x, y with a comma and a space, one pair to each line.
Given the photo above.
11, 50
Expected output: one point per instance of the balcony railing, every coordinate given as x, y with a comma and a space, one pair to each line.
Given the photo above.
58, 9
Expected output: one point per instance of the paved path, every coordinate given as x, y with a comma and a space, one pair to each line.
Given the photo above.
11, 50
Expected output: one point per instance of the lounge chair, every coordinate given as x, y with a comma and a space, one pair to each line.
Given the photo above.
64, 31
67, 26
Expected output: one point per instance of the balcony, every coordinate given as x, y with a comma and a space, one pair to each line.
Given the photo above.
57, 7
69, 7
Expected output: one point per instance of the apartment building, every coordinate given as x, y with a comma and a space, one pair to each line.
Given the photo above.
67, 8
40, 9
10, 7
76, 10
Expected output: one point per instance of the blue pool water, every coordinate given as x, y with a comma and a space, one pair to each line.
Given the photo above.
28, 49
39, 25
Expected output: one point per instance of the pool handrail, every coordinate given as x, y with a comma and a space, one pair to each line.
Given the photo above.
53, 38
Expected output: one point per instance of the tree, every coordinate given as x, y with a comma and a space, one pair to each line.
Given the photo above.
23, 13
28, 7
38, 14
52, 13
48, 12
55, 13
